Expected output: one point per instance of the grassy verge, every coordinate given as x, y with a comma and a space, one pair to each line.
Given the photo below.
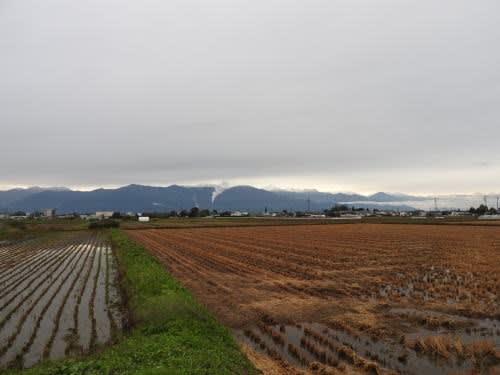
171, 332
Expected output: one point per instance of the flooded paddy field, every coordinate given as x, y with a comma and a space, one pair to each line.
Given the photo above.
360, 298
58, 296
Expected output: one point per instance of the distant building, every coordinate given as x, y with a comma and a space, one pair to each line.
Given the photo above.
89, 217
351, 216
104, 214
3, 216
489, 217
51, 212
144, 218
19, 217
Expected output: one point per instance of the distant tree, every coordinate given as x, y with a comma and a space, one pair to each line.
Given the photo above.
158, 215
481, 210
19, 213
204, 213
183, 213
172, 213
116, 215
194, 212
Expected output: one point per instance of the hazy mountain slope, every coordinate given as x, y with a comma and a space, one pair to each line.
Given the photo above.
248, 198
9, 197
139, 198
129, 198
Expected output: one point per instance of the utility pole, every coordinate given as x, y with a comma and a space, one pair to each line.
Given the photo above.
497, 202
485, 200
435, 204
308, 204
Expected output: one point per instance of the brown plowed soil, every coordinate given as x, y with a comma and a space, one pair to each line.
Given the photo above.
346, 277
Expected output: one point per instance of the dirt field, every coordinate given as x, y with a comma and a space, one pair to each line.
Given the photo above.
57, 296
371, 298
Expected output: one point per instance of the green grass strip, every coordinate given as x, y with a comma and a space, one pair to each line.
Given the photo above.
171, 333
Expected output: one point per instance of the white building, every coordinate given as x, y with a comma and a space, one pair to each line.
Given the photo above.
144, 218
104, 214
51, 212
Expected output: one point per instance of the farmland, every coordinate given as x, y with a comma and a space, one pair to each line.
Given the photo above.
165, 329
361, 298
58, 297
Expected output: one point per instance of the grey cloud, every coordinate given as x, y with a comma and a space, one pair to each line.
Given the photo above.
112, 92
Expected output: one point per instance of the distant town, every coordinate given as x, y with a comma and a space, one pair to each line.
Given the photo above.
143, 203
343, 212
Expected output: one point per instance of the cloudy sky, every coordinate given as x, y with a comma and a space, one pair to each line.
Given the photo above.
341, 95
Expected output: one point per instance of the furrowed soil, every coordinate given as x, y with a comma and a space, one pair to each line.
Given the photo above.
359, 298
48, 287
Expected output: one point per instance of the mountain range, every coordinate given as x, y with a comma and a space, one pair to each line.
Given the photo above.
140, 198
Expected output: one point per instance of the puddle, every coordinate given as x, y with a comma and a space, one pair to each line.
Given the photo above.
468, 329
304, 343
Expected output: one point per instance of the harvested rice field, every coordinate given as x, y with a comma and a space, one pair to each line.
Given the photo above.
359, 298
58, 297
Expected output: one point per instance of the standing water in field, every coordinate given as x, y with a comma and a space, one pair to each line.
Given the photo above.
57, 298
306, 343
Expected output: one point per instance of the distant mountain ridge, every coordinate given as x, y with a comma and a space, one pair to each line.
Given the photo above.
136, 198
8, 197
140, 198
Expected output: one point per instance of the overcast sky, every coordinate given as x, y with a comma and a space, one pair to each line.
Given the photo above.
351, 95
